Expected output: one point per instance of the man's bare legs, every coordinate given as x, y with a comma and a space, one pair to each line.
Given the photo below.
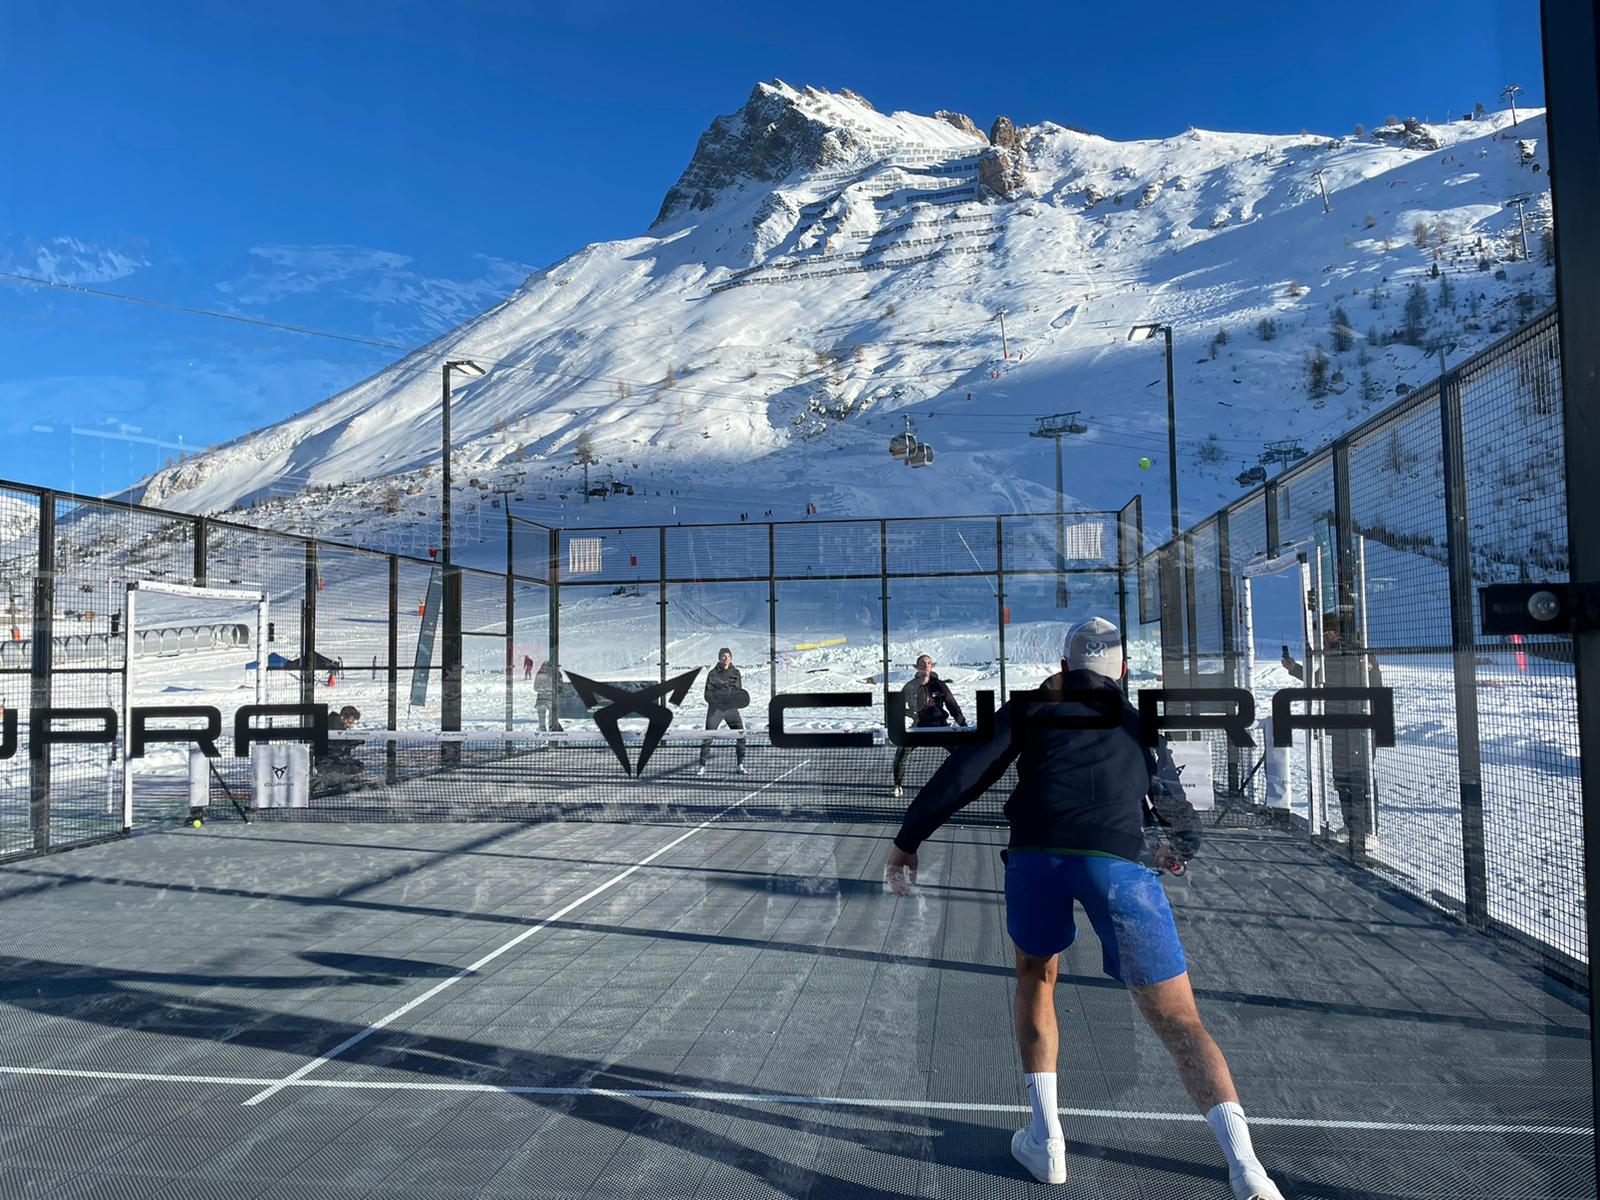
1169, 1008
1041, 1147
1035, 1012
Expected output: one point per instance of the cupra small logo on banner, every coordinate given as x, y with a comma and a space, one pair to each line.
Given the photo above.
633, 702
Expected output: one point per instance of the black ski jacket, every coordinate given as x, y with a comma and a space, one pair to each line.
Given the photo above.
1077, 789
721, 684
926, 702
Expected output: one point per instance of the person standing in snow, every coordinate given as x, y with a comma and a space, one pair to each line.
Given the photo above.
1078, 818
930, 704
725, 696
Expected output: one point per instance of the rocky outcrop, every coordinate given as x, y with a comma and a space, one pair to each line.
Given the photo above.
765, 141
1411, 134
1004, 134
960, 120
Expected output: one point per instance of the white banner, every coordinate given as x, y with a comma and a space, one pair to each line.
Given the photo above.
1193, 760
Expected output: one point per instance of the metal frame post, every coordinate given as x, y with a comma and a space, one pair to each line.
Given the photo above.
883, 577
1344, 591
308, 630
511, 621
1269, 505
393, 672
44, 607
1000, 596
772, 607
200, 548
1230, 655
1191, 623
1572, 91
553, 659
1458, 545
662, 602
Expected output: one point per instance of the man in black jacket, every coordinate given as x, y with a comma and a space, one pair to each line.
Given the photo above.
725, 696
1077, 818
927, 700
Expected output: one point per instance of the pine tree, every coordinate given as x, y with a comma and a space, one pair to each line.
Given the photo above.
1447, 293
1415, 322
1344, 337
1317, 374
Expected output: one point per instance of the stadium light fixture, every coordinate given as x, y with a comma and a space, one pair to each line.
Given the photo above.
1141, 333
450, 691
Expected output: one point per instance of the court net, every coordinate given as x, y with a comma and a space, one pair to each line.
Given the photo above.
517, 775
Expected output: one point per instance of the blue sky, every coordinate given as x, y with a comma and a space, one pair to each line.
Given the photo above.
389, 168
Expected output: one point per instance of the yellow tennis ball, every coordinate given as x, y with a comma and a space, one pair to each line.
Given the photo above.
197, 822
1144, 464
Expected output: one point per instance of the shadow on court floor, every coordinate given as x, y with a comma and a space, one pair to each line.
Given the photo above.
526, 1011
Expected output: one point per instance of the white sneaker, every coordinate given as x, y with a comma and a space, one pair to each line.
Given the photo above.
700, 770
1046, 1161
898, 791
1252, 1183
740, 770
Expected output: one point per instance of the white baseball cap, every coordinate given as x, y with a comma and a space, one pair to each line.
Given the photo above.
1094, 645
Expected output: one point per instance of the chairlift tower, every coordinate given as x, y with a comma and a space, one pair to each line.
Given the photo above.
1285, 451
1056, 427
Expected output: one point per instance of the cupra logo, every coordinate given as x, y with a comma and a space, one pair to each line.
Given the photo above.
628, 702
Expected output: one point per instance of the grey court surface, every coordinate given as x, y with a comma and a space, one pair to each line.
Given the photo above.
736, 1009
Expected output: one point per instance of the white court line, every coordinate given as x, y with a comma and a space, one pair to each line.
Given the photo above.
496, 953
1110, 1114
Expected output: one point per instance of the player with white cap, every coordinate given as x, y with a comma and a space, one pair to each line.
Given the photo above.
1078, 817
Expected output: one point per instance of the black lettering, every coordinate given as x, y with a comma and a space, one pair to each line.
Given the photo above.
42, 733
894, 718
1152, 719
141, 735
316, 732
779, 705
1379, 718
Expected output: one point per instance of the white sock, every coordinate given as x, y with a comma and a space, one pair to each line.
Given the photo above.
1042, 1096
1233, 1135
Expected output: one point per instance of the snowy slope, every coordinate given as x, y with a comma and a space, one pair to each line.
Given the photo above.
821, 271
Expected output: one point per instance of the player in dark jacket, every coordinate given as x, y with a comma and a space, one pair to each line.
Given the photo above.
930, 704
1077, 818
725, 696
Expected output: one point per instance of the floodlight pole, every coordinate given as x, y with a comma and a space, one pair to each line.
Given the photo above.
1054, 427
450, 691
1172, 418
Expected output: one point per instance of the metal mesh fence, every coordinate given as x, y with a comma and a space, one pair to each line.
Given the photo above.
1525, 692
1476, 808
1400, 582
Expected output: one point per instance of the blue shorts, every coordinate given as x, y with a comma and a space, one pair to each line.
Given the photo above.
1125, 903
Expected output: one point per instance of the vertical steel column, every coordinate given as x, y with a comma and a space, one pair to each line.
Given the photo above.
1191, 624
308, 629
1354, 745
1230, 656
662, 601
1463, 646
883, 578
1571, 50
390, 773
1269, 504
44, 607
553, 659
200, 548
772, 607
1169, 586
452, 653
511, 621
1123, 541
1000, 596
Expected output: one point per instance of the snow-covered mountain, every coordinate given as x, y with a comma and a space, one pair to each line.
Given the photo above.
821, 272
